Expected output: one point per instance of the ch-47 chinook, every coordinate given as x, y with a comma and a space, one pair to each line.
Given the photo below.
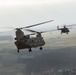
27, 42
65, 29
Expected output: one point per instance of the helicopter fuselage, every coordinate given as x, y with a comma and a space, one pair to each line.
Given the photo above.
30, 43
65, 30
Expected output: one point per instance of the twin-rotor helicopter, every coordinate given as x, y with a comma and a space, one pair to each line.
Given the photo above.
26, 42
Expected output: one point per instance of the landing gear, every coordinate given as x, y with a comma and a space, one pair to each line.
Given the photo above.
18, 50
67, 33
61, 32
40, 48
30, 50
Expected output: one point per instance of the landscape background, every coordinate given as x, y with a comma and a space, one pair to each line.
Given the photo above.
58, 53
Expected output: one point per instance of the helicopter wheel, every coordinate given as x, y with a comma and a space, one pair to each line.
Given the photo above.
30, 50
67, 33
40, 48
18, 50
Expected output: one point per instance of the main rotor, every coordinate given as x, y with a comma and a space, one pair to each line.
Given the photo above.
33, 31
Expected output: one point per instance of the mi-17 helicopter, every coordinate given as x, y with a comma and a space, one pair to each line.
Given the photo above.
65, 29
26, 42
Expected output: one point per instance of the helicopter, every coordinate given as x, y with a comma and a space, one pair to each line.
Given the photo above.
65, 28
26, 42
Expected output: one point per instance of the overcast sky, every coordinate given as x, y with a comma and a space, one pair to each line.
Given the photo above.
21, 13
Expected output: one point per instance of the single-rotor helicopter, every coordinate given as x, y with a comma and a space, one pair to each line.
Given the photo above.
65, 29
26, 42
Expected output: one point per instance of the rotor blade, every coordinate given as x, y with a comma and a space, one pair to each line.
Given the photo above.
35, 31
70, 25
40, 31
7, 28
30, 34
37, 24
31, 30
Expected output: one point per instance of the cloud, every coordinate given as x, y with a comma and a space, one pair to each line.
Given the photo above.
31, 2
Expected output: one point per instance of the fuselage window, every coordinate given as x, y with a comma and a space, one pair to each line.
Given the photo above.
32, 41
